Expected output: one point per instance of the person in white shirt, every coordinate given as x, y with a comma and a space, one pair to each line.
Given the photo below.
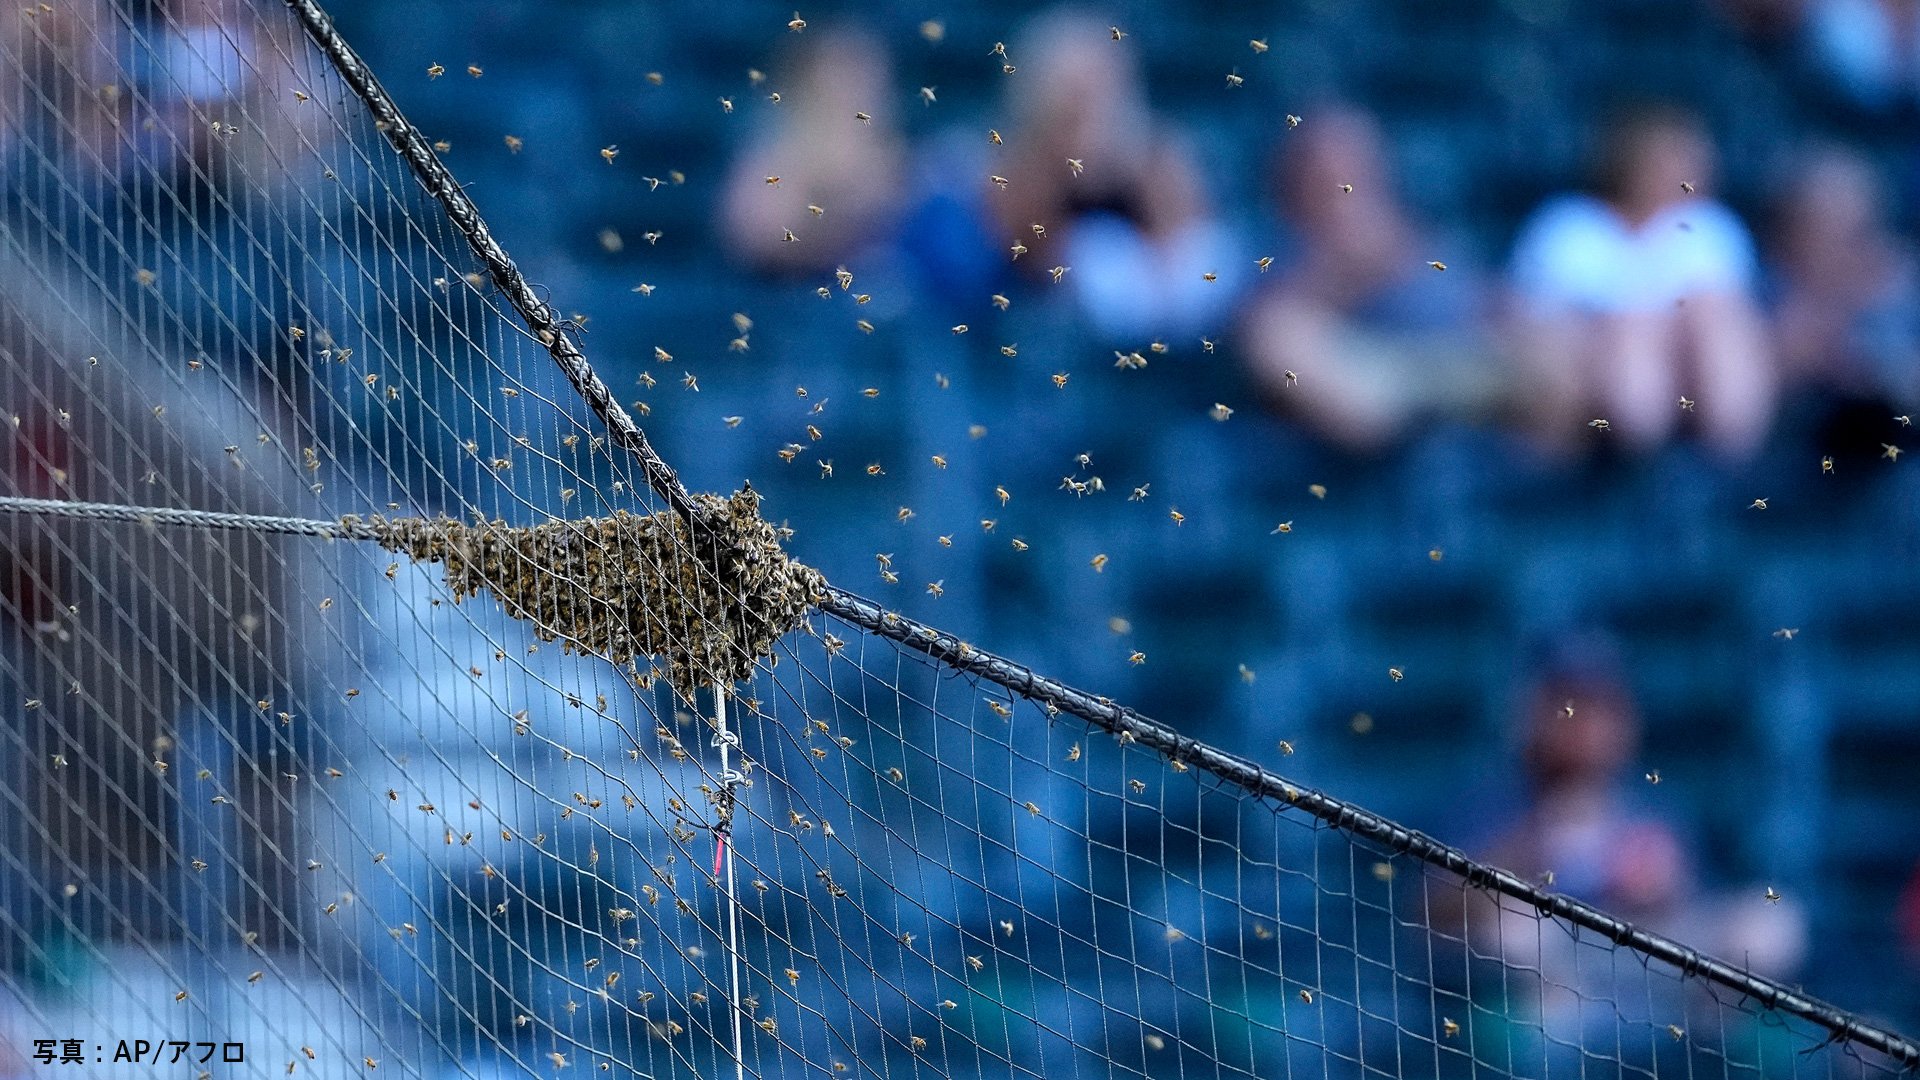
1630, 300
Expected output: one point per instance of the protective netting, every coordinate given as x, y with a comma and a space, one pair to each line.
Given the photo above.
264, 782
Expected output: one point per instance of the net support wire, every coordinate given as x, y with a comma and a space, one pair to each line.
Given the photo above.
1129, 727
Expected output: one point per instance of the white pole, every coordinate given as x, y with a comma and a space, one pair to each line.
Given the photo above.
725, 739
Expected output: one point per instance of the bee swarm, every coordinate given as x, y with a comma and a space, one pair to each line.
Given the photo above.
711, 601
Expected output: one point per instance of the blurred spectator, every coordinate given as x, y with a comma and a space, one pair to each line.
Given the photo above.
1629, 300
1581, 731
1098, 184
1581, 831
824, 158
1847, 304
1371, 333
1870, 49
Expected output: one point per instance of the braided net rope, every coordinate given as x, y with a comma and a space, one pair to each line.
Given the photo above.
653, 800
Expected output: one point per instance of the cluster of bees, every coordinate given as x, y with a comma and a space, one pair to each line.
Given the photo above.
710, 601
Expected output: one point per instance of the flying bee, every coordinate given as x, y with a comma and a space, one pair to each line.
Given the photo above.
1220, 412
1019, 544
1772, 896
1396, 674
826, 469
1346, 189
1058, 272
903, 514
1826, 466
960, 328
1757, 504
1599, 424
1653, 777
1890, 451
434, 71
863, 118
1258, 45
609, 153
987, 524
1449, 1027
1060, 380
1234, 81
726, 106
875, 470
939, 462
1178, 517
1264, 263
1076, 166
998, 181
1018, 250
1283, 527
926, 95
946, 541
937, 589
1116, 32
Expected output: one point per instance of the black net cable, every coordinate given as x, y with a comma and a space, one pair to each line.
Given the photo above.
1090, 708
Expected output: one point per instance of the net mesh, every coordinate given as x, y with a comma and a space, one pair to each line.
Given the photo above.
293, 791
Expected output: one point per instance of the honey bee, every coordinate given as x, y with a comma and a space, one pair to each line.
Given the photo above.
1757, 504
1178, 517
1058, 272
926, 95
1283, 527
1599, 424
863, 118
1772, 896
1137, 658
939, 462
826, 469
1234, 81
1220, 412
946, 541
960, 328
1019, 544
1396, 674
937, 589
726, 105
1346, 189
609, 153
796, 24
1653, 777
875, 470
1076, 166
1306, 996
1116, 32
1292, 121
1437, 264
1099, 563
1449, 1028
1890, 451
1264, 263
434, 71
1259, 45
772, 180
